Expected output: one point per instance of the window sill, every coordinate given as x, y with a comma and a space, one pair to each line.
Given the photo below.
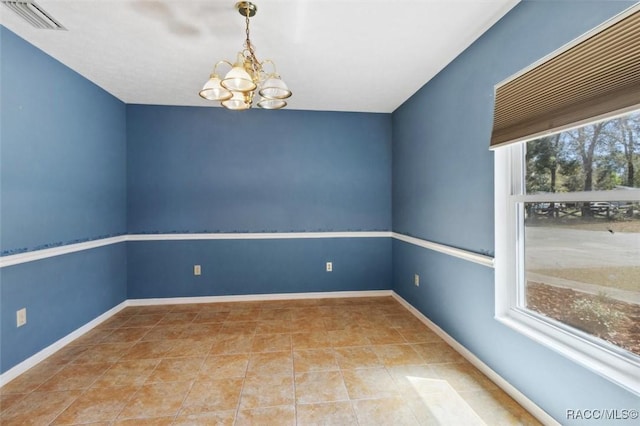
609, 363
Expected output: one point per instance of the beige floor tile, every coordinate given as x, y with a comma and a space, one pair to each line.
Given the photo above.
275, 314
218, 418
420, 334
104, 352
10, 400
38, 408
270, 364
239, 327
437, 352
156, 400
75, 376
417, 380
201, 331
320, 386
92, 337
149, 350
189, 348
384, 336
96, 405
445, 407
311, 340
385, 411
243, 315
369, 383
307, 324
231, 344
178, 318
25, 384
347, 337
463, 377
145, 320
326, 414
63, 357
357, 357
164, 332
205, 317
269, 416
213, 395
497, 408
271, 343
155, 421
314, 360
224, 366
126, 335
130, 372
176, 370
267, 391
186, 307
222, 363
273, 326
391, 355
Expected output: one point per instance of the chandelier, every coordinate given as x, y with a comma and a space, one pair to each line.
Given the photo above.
247, 75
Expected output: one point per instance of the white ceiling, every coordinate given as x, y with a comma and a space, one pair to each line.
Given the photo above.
348, 55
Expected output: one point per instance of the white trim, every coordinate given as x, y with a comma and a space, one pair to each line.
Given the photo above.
16, 259
40, 356
451, 251
31, 256
257, 236
598, 357
259, 297
503, 384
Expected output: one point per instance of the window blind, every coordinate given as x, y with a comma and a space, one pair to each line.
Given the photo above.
594, 77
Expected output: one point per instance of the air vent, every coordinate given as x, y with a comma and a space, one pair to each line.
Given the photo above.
33, 14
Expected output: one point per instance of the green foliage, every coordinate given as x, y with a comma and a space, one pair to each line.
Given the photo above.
597, 156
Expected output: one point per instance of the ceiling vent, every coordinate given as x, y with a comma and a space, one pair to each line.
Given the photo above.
33, 14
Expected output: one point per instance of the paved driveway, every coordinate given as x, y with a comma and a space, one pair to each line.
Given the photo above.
557, 248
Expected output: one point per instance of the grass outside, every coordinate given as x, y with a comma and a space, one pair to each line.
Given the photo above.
624, 278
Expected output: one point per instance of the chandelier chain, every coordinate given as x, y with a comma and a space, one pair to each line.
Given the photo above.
255, 64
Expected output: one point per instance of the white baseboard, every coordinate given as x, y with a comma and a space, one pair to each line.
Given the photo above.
258, 297
514, 393
40, 356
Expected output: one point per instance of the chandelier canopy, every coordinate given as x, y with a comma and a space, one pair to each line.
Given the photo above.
247, 75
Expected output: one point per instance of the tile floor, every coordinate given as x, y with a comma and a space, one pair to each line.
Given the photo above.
359, 361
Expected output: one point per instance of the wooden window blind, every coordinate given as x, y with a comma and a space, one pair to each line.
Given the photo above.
592, 78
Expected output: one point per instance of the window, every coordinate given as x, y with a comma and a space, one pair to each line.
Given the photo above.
568, 243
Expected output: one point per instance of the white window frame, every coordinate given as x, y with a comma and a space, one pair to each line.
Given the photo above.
603, 358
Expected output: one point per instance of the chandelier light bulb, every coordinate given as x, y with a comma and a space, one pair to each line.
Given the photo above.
213, 91
238, 87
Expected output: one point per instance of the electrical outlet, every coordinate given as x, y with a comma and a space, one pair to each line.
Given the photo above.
197, 270
416, 280
329, 266
21, 317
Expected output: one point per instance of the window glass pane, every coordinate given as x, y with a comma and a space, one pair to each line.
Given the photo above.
595, 157
582, 267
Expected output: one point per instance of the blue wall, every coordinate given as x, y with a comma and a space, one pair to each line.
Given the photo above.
62, 180
210, 170
231, 267
443, 192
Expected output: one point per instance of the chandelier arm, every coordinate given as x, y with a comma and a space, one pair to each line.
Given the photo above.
215, 67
